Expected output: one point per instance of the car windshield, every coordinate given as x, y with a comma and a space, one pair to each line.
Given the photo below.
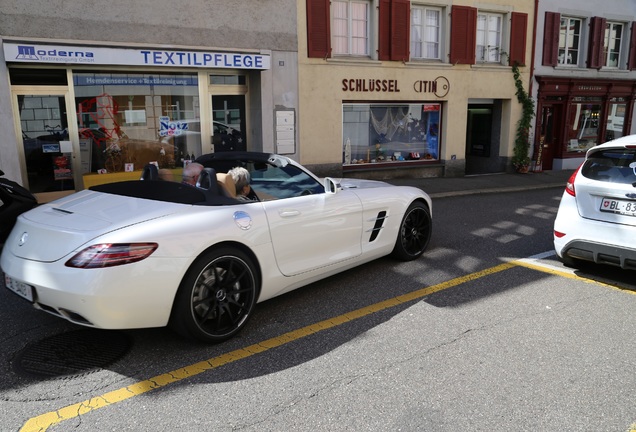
611, 166
282, 182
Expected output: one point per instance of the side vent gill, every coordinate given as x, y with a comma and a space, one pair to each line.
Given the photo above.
377, 226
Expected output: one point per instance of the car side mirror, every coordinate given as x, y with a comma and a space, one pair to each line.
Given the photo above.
331, 186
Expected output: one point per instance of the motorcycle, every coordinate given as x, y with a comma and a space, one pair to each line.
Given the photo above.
14, 200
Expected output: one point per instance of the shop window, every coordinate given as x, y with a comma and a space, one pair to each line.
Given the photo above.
585, 117
426, 28
569, 41
612, 44
127, 120
615, 121
385, 133
489, 37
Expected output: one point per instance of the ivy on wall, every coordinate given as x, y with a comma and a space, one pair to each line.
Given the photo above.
520, 157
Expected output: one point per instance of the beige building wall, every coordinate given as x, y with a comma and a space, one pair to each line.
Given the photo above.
321, 94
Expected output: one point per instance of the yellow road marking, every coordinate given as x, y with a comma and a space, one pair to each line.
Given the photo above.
44, 421
570, 275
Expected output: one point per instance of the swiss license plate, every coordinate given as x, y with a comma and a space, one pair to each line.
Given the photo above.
20, 288
623, 207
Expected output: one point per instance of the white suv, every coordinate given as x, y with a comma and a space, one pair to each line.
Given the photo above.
596, 220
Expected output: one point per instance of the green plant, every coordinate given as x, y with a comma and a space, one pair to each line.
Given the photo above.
520, 156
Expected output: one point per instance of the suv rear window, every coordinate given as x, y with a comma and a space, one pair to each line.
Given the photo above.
612, 166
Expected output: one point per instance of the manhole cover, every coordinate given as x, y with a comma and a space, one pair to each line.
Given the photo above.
72, 353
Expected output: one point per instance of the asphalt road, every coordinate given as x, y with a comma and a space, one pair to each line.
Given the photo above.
486, 332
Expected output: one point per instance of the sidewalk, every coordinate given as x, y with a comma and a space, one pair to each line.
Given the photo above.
487, 183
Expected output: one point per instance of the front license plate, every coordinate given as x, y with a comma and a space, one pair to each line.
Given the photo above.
20, 288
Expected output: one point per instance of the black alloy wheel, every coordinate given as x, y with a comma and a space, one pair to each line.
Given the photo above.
217, 296
415, 232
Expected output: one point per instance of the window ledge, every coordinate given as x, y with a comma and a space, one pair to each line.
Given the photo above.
571, 68
428, 63
490, 66
615, 71
353, 61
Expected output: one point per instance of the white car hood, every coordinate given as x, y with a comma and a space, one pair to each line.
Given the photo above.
51, 231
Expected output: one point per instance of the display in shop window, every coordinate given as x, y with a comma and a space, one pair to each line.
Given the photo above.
381, 133
62, 170
585, 127
130, 119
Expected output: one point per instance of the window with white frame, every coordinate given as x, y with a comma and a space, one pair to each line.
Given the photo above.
489, 37
612, 44
425, 32
350, 30
569, 41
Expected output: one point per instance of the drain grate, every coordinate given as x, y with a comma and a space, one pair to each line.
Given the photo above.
73, 353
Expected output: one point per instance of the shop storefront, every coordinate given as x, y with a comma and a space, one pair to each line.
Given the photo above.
91, 115
574, 115
391, 133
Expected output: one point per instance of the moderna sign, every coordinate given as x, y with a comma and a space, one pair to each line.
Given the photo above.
62, 54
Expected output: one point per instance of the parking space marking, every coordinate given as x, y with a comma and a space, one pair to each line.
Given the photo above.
534, 264
44, 421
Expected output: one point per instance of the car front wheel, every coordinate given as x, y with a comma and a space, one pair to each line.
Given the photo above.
216, 297
415, 232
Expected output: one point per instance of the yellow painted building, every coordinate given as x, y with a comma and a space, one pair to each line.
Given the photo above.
392, 88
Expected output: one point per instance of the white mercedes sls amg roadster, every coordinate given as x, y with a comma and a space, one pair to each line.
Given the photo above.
152, 253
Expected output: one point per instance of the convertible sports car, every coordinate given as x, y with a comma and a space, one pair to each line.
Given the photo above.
151, 253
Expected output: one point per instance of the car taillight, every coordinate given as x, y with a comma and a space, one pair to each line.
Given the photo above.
110, 255
569, 186
559, 234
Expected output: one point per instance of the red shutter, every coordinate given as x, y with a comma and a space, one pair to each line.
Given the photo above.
400, 28
551, 29
631, 62
384, 30
595, 45
463, 34
318, 32
518, 37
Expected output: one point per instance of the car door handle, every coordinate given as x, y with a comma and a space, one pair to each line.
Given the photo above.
288, 213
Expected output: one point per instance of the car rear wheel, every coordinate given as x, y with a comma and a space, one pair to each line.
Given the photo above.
216, 297
415, 232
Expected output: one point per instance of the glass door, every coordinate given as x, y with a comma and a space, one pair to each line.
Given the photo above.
228, 93
228, 123
45, 148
